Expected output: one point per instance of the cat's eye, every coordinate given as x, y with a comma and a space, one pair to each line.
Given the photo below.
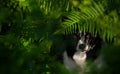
82, 46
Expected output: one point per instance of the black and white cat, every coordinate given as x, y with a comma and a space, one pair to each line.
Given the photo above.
86, 49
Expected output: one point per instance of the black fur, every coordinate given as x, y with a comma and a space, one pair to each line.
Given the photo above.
89, 40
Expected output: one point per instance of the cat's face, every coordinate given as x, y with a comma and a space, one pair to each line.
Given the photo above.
85, 43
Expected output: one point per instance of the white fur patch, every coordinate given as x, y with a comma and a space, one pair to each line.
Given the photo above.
68, 62
80, 58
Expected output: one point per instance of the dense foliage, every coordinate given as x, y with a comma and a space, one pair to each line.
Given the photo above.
32, 32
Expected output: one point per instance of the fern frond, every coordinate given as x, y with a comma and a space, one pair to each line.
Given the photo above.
88, 14
92, 19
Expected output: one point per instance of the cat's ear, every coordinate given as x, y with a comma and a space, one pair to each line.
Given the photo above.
88, 35
79, 34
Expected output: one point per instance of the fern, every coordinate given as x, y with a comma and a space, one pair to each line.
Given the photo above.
92, 19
